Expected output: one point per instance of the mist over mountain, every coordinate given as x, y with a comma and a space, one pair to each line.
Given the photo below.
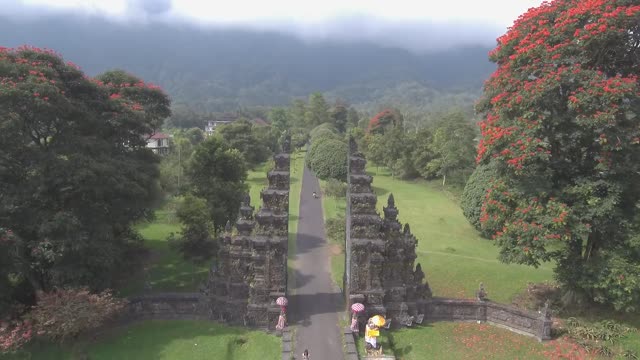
218, 69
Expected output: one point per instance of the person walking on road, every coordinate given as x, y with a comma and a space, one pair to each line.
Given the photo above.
305, 355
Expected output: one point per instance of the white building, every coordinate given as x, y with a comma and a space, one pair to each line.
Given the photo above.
158, 143
213, 124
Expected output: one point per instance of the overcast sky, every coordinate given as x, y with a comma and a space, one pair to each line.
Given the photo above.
397, 22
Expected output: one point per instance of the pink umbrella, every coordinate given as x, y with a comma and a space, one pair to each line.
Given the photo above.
357, 307
282, 302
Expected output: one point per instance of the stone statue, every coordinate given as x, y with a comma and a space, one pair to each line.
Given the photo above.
246, 199
227, 227
286, 144
407, 230
391, 212
546, 312
481, 294
353, 146
418, 274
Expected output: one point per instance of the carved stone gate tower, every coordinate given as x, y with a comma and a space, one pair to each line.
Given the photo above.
251, 272
380, 253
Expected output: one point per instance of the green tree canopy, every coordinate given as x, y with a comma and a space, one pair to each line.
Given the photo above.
375, 149
353, 118
196, 240
242, 135
562, 121
338, 116
327, 158
75, 172
195, 135
297, 114
217, 174
453, 146
422, 153
299, 137
318, 110
279, 119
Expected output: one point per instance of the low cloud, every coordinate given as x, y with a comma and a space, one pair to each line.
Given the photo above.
150, 7
415, 36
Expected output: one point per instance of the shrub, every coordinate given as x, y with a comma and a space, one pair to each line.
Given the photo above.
598, 336
474, 194
299, 137
328, 159
336, 229
324, 134
14, 335
335, 188
64, 314
195, 241
321, 129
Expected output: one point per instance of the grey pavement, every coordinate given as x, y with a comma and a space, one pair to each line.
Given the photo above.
316, 302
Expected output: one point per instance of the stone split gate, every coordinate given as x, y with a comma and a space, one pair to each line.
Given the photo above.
251, 272
380, 270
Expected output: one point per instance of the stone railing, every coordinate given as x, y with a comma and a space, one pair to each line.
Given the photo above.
166, 306
350, 350
287, 345
528, 323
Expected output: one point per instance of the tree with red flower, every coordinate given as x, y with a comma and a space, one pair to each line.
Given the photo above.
75, 173
384, 120
562, 119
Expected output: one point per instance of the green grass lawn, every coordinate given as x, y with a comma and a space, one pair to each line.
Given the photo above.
476, 341
166, 270
170, 340
295, 183
454, 257
257, 180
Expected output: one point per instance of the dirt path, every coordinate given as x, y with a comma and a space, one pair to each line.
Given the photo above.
316, 301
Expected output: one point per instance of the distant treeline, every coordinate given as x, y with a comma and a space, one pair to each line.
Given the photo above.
227, 70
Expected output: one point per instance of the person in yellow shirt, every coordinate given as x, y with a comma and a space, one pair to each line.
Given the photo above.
371, 334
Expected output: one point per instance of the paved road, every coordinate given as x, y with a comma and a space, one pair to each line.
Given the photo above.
316, 301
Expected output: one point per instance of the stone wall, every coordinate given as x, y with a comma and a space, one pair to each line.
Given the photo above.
166, 306
529, 323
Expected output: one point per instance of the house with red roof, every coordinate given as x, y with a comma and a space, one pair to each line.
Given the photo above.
158, 143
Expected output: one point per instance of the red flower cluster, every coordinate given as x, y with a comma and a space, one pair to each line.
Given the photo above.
37, 71
541, 65
383, 118
6, 235
14, 336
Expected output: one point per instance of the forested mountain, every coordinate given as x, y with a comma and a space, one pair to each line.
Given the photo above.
224, 69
